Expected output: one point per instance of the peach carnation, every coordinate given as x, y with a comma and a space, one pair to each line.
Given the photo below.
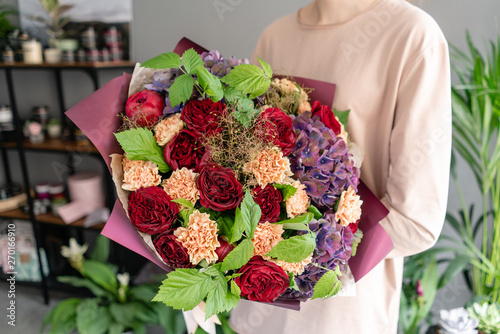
138, 173
299, 202
349, 209
285, 85
182, 184
199, 238
167, 129
291, 267
269, 167
266, 236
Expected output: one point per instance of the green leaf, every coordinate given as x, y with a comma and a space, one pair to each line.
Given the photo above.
172, 321
249, 79
210, 83
237, 228
101, 249
88, 318
304, 218
268, 71
219, 299
139, 328
143, 292
184, 289
251, 213
116, 328
455, 266
239, 256
294, 249
63, 316
343, 116
225, 225
165, 60
84, 283
191, 60
123, 313
296, 227
183, 202
315, 211
101, 275
429, 283
235, 289
140, 144
245, 112
286, 190
327, 286
356, 240
181, 90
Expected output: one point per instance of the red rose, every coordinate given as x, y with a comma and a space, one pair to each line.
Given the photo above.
224, 249
151, 210
203, 116
172, 251
269, 200
261, 280
145, 107
185, 150
219, 188
354, 227
278, 129
327, 116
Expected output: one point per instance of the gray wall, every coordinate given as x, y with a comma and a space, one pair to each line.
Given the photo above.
232, 27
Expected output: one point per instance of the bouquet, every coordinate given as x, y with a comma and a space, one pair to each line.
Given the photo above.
236, 183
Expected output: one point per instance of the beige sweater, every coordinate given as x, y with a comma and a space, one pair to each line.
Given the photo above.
391, 67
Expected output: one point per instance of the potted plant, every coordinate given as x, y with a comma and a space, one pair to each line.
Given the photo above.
476, 120
488, 316
116, 307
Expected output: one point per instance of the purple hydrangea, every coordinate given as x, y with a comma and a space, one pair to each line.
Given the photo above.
333, 243
305, 283
219, 66
321, 162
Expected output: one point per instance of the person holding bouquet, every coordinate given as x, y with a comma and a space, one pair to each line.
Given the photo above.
390, 63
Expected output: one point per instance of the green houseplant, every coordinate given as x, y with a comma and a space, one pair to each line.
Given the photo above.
476, 120
116, 306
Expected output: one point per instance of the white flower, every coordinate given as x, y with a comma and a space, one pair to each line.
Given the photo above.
457, 321
74, 251
124, 279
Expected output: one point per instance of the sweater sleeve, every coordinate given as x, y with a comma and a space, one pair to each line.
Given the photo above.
420, 151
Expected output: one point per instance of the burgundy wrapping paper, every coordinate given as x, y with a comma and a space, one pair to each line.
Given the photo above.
97, 117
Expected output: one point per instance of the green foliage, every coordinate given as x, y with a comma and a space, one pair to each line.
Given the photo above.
328, 285
140, 144
488, 316
108, 311
476, 119
286, 190
249, 79
5, 25
343, 116
294, 249
239, 256
250, 213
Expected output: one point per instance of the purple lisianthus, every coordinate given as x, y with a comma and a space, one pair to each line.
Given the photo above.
321, 161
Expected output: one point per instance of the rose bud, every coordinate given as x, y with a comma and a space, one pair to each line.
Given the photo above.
224, 249
145, 107
327, 116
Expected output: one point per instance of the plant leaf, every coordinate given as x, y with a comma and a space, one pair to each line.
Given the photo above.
250, 213
327, 286
239, 256
181, 90
184, 289
183, 202
165, 60
294, 249
100, 252
191, 60
210, 83
315, 211
268, 71
101, 275
140, 144
304, 218
286, 190
343, 116
249, 79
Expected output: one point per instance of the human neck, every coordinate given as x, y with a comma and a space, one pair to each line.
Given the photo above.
325, 12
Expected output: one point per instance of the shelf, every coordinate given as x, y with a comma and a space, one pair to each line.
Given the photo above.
47, 218
76, 65
55, 145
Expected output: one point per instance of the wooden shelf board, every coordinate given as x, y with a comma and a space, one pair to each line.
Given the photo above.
56, 145
77, 65
47, 218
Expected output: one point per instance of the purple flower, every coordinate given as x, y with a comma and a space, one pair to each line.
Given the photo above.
305, 283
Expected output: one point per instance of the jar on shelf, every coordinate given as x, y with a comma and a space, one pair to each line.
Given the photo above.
40, 114
7, 127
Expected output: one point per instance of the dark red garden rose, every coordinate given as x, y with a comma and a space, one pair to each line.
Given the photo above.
278, 129
151, 210
224, 249
145, 107
268, 198
262, 280
327, 116
219, 188
185, 150
172, 251
203, 116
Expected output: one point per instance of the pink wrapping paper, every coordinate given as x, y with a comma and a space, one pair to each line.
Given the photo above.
97, 117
